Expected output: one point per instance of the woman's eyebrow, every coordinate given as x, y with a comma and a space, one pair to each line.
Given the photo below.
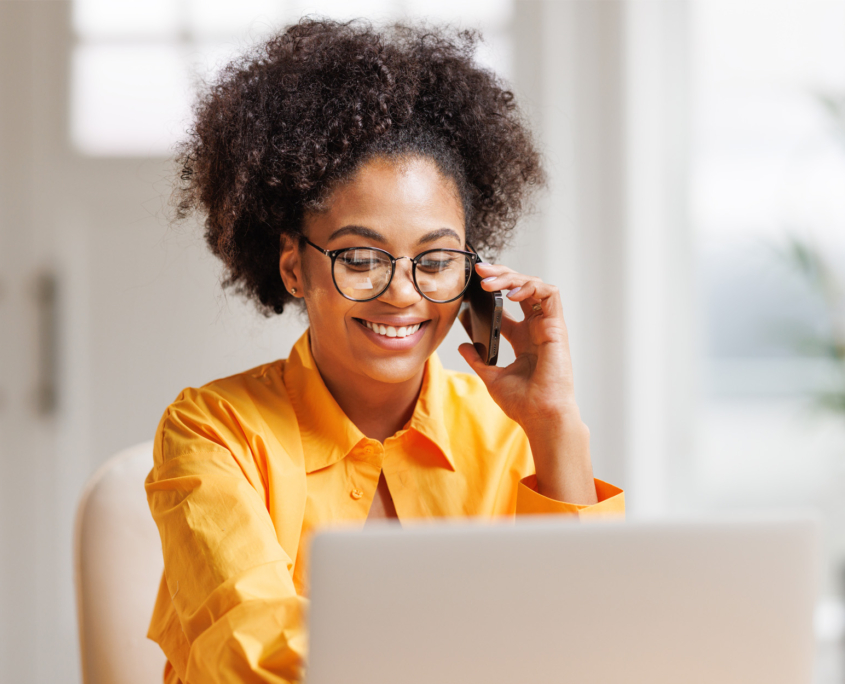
362, 231
437, 234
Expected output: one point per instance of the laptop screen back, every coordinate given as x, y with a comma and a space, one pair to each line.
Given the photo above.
545, 601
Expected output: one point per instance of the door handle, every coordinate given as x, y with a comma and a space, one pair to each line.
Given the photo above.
46, 297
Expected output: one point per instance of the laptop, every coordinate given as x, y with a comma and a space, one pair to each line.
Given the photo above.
696, 602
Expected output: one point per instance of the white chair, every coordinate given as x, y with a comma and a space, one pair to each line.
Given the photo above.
118, 566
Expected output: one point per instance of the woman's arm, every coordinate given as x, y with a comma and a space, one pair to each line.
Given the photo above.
232, 612
537, 389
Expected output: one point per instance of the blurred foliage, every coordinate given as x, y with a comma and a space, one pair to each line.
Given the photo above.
834, 106
819, 275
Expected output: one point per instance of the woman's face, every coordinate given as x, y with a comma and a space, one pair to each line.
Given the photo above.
405, 207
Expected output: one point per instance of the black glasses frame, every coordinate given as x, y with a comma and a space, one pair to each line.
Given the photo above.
334, 253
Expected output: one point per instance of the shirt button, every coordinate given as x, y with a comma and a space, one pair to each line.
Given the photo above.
356, 493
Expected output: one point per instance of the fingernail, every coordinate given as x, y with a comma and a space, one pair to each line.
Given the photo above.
512, 292
486, 280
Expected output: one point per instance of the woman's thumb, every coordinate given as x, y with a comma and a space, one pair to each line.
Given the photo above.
471, 356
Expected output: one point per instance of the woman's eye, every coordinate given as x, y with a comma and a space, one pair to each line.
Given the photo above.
360, 264
435, 264
359, 261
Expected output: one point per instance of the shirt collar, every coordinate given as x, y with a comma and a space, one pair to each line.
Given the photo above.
429, 418
328, 435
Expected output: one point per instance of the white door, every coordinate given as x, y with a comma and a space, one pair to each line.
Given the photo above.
130, 312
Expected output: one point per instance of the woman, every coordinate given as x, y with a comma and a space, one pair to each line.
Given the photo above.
349, 171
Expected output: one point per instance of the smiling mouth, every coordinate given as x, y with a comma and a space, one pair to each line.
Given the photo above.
390, 330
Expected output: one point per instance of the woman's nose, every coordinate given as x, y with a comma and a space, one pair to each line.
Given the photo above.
401, 292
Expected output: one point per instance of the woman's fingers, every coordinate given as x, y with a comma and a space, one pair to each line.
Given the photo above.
535, 297
547, 298
521, 288
484, 269
495, 277
487, 373
532, 288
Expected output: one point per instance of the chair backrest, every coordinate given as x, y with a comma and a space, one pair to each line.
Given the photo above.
118, 566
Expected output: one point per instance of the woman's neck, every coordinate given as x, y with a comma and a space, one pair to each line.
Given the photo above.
379, 409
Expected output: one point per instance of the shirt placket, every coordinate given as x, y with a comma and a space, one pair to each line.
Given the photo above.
365, 463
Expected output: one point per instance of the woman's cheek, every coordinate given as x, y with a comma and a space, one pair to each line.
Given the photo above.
451, 314
324, 303
446, 320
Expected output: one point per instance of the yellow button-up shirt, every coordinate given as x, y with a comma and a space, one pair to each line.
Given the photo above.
246, 468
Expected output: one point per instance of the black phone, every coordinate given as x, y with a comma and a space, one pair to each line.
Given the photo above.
481, 316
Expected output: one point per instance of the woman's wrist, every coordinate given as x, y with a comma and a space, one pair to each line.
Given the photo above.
561, 449
552, 418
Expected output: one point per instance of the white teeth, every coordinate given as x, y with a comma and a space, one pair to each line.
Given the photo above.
391, 331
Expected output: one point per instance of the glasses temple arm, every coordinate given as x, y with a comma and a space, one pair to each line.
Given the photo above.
317, 247
475, 251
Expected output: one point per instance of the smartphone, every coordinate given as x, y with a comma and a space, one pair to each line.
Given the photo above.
481, 316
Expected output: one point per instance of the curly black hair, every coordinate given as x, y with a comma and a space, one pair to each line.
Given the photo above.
287, 122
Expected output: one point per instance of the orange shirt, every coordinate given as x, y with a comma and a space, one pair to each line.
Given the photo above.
247, 467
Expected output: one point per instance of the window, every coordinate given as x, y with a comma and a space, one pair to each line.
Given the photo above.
769, 170
137, 63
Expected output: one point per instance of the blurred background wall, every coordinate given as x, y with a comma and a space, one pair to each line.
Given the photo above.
694, 223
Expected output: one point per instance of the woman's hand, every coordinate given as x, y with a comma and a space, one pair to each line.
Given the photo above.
537, 389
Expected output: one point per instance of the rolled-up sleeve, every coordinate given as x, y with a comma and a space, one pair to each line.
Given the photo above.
231, 612
611, 502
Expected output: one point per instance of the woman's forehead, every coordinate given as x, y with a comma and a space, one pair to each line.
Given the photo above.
400, 199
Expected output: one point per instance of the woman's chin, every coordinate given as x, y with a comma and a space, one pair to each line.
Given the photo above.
392, 370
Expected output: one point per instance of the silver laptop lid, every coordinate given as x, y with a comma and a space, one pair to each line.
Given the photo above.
546, 601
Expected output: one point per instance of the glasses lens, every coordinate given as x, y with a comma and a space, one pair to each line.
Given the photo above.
443, 275
361, 273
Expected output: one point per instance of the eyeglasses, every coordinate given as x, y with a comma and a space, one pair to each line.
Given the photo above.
364, 273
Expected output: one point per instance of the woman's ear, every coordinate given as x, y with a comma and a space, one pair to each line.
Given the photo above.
290, 264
